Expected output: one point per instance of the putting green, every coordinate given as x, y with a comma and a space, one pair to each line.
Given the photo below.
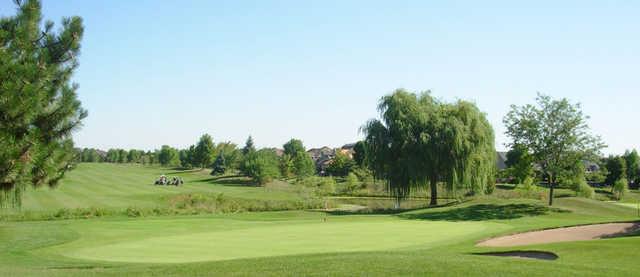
284, 238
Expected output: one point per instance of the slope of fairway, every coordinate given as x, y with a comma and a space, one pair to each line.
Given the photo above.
117, 186
266, 239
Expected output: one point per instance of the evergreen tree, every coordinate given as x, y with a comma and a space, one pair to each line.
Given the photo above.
39, 108
219, 165
248, 146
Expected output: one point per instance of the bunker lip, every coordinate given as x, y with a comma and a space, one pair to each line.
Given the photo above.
528, 254
574, 233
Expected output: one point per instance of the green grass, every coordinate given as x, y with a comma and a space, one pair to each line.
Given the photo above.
118, 186
433, 241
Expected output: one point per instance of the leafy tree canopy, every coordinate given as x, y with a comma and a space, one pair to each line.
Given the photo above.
556, 134
421, 140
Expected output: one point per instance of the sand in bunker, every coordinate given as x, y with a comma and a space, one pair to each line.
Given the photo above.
587, 232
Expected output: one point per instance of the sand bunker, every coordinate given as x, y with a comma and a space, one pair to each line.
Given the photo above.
577, 233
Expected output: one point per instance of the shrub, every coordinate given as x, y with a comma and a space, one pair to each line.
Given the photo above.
321, 185
583, 189
351, 183
133, 212
620, 188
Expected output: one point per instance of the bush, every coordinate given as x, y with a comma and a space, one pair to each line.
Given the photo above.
351, 183
583, 189
620, 188
321, 185
262, 166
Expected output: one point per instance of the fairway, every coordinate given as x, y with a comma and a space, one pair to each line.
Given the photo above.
266, 240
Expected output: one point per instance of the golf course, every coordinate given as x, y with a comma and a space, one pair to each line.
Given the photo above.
296, 242
319, 138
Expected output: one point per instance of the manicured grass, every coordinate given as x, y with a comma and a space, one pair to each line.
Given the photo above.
426, 242
117, 186
180, 243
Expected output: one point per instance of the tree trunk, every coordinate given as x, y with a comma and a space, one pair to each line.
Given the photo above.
434, 191
550, 182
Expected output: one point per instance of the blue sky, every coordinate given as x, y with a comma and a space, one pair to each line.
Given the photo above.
165, 72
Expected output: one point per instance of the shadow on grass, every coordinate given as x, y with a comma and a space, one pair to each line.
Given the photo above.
390, 211
231, 180
483, 212
505, 186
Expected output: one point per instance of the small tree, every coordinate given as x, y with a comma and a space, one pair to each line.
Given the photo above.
616, 168
261, 165
556, 133
168, 156
341, 165
633, 165
297, 159
219, 165
249, 147
519, 163
351, 183
203, 151
620, 188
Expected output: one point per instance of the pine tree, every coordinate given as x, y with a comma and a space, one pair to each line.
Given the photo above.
39, 108
248, 147
220, 165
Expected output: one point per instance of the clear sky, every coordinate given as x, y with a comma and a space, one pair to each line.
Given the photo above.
165, 72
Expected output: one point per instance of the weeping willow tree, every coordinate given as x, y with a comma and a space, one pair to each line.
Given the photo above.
39, 108
421, 141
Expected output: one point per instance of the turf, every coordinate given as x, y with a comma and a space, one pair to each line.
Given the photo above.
259, 240
116, 186
433, 241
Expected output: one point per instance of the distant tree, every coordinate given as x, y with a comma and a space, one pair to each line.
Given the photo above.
296, 157
185, 156
39, 107
168, 156
619, 188
341, 165
232, 155
519, 163
122, 156
134, 156
360, 153
203, 151
90, 155
303, 165
616, 168
219, 165
249, 147
286, 166
421, 140
351, 183
293, 146
633, 165
261, 165
556, 133
113, 155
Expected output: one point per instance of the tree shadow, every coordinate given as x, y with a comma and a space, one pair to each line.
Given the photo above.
234, 181
505, 186
631, 231
391, 211
482, 212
